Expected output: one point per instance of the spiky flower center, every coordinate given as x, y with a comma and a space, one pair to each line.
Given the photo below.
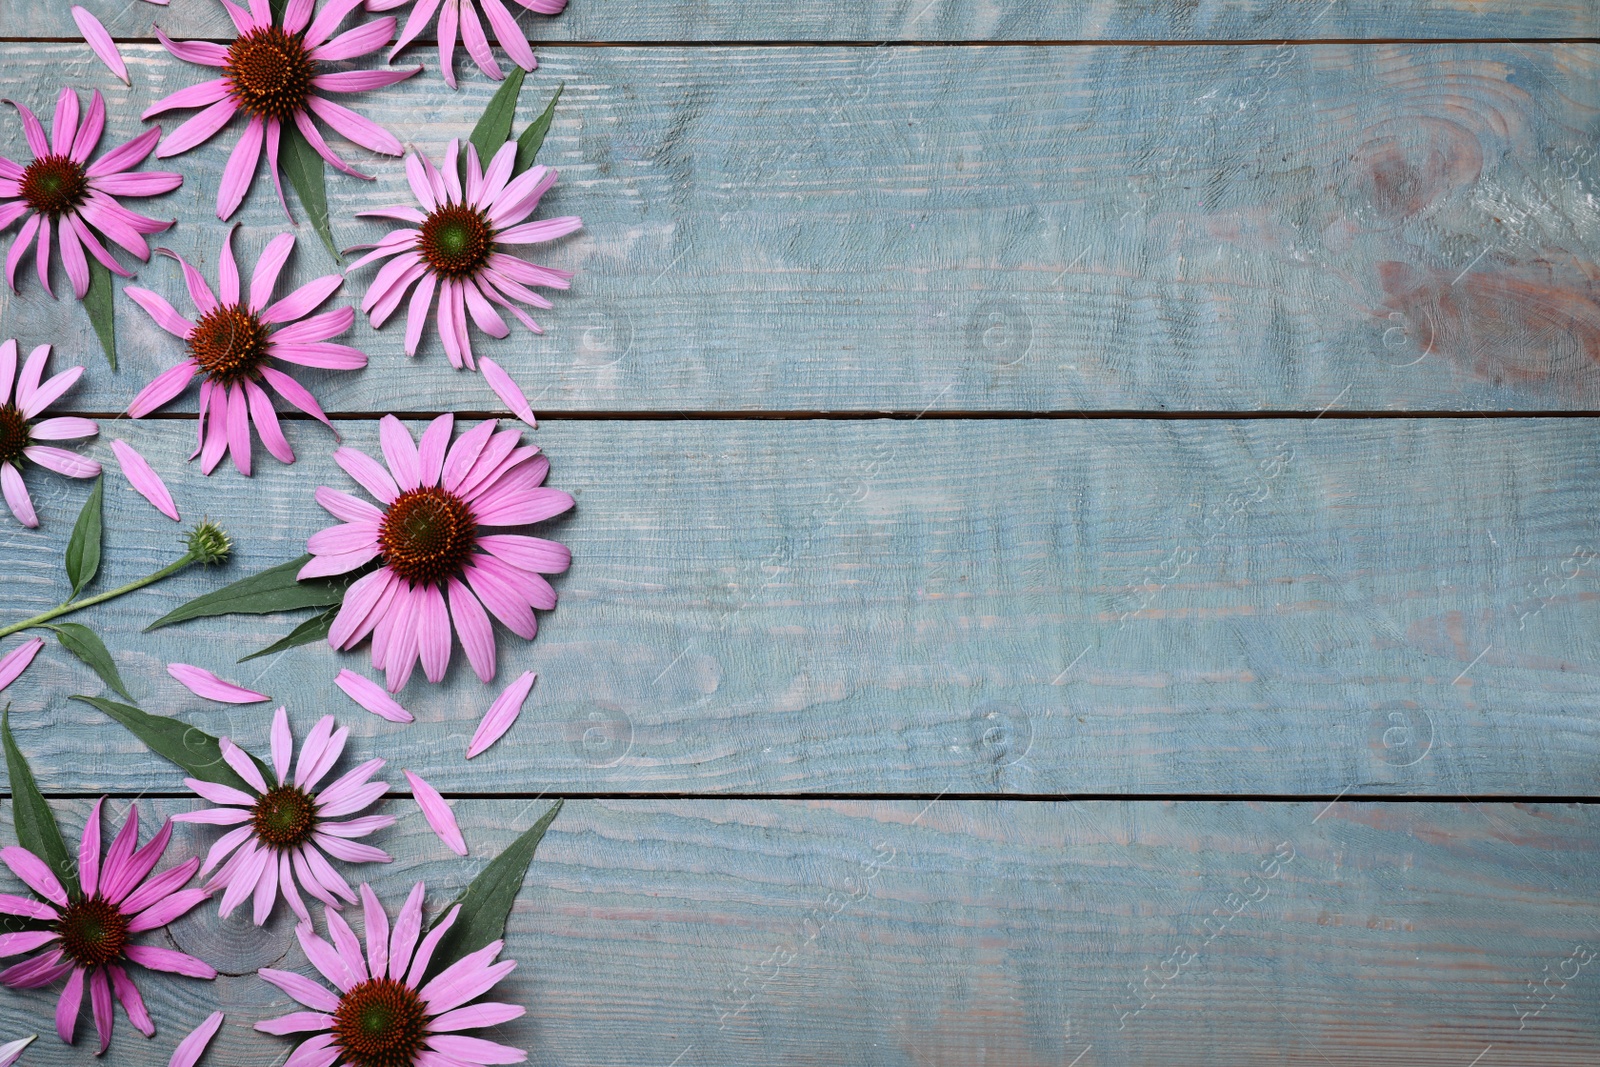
270, 72
54, 185
13, 433
284, 818
93, 932
380, 1023
230, 343
456, 241
428, 535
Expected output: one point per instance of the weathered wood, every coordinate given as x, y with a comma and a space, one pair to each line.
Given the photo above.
1278, 606
935, 20
769, 932
1238, 228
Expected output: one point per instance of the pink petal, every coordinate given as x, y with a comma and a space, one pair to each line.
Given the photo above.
203, 95
424, 956
528, 553
170, 960
344, 939
48, 393
356, 81
25, 941
472, 626
467, 978
35, 874
538, 232
507, 390
32, 131
434, 638
299, 1022
302, 301
198, 129
346, 507
132, 1002
308, 129
243, 765
167, 909
350, 851
166, 317
438, 813
89, 851
328, 20
273, 139
144, 479
101, 44
317, 327
377, 932
322, 355
400, 452
16, 661
353, 127
302, 989
190, 1048
449, 19
505, 604
240, 170
225, 845
62, 462
502, 713
266, 423
417, 312
522, 507
27, 907
268, 267
431, 450
406, 930
73, 259
509, 34
200, 294
363, 39
296, 394
476, 1016
64, 428
367, 471
282, 743
67, 1007
168, 384
370, 695
472, 36
16, 494
367, 824
19, 248
203, 683
266, 893
475, 1049
8, 368
358, 614
121, 880
125, 156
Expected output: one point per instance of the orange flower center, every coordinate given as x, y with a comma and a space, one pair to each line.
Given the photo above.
380, 1023
54, 185
270, 72
284, 818
13, 432
229, 344
93, 932
428, 535
456, 241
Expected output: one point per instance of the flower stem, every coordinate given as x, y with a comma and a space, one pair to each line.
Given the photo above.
71, 606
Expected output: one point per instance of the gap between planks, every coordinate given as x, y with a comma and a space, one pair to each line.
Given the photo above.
1329, 799
1129, 42
900, 415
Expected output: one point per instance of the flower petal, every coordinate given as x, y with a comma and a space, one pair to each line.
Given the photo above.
132, 1002
16, 494
501, 714
203, 683
367, 471
438, 813
166, 317
101, 44
265, 418
144, 479
16, 661
240, 169
197, 129
35, 874
170, 960
371, 695
168, 384
190, 1049
508, 390
62, 462
473, 627
302, 989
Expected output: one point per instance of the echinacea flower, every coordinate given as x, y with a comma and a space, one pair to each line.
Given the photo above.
87, 935
61, 192
454, 12
234, 343
457, 245
19, 434
282, 830
428, 539
269, 74
381, 1012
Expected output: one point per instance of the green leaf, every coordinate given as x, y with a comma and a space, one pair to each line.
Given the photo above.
309, 176
87, 646
532, 138
196, 752
486, 902
35, 822
277, 7
313, 629
494, 128
98, 303
272, 590
83, 551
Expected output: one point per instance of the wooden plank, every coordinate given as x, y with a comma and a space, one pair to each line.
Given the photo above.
1218, 228
945, 20
765, 932
1283, 606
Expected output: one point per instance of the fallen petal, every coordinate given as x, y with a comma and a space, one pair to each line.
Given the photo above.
438, 814
144, 478
203, 683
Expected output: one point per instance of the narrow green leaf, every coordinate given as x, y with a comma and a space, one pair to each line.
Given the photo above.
98, 303
196, 753
35, 822
494, 128
532, 138
87, 646
277, 7
313, 629
272, 590
309, 176
83, 551
486, 902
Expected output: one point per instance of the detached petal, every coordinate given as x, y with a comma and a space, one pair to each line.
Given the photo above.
190, 1048
438, 814
508, 390
203, 683
501, 715
100, 43
16, 661
144, 479
371, 695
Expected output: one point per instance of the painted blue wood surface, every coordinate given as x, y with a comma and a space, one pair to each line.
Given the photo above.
1385, 227
1280, 606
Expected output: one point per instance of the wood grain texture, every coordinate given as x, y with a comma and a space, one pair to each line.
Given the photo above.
903, 933
1017, 228
1283, 607
935, 20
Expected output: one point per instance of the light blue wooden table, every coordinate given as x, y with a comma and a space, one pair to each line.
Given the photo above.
1036, 462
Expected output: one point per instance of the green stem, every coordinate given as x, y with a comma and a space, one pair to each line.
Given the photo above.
71, 606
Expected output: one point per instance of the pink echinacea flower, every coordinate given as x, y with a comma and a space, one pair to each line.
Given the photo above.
20, 434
